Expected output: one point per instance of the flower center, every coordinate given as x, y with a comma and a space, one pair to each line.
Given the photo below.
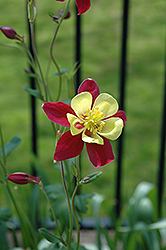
93, 120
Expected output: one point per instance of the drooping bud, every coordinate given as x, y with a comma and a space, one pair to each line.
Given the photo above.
59, 15
67, 15
23, 178
11, 33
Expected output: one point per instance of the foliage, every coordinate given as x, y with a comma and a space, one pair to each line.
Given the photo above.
138, 227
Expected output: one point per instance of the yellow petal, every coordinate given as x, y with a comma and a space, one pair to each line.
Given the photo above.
93, 138
81, 103
73, 120
107, 104
112, 128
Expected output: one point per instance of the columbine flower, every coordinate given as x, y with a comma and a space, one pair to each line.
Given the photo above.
82, 5
93, 119
11, 33
23, 178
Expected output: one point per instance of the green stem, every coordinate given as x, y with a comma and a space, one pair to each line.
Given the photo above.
3, 152
75, 216
69, 206
46, 78
36, 57
51, 48
55, 219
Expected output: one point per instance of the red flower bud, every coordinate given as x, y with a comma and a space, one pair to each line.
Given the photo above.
67, 15
23, 178
11, 33
56, 17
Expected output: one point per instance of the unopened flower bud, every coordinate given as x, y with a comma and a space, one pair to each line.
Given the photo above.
11, 33
67, 15
55, 18
23, 178
31, 11
86, 179
59, 15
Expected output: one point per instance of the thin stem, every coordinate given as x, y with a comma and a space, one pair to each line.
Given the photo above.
54, 61
36, 57
46, 78
51, 48
3, 167
78, 168
55, 219
2, 182
69, 206
3, 152
75, 216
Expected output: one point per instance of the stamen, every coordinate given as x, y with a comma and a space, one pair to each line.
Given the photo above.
93, 120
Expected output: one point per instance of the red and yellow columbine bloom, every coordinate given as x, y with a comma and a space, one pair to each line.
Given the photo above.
82, 5
93, 119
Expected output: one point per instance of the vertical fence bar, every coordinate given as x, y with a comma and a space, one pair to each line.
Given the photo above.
162, 150
33, 107
78, 59
78, 50
123, 67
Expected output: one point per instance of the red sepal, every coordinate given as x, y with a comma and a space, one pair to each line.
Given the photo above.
83, 6
100, 155
57, 112
121, 114
89, 85
68, 146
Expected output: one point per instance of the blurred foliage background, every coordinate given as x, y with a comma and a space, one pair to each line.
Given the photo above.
101, 45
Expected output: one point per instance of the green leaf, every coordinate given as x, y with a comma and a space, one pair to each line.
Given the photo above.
51, 14
33, 92
81, 202
145, 210
73, 247
62, 72
49, 236
91, 177
5, 214
3, 239
96, 204
58, 199
11, 145
74, 169
142, 226
142, 190
108, 239
32, 75
158, 225
59, 202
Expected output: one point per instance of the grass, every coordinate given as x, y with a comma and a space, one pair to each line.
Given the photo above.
101, 42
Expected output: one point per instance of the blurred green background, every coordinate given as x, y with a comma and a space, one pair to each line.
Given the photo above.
101, 44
